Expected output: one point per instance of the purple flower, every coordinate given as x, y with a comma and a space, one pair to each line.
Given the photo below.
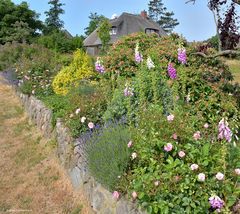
98, 66
216, 202
224, 131
128, 92
116, 195
138, 55
182, 56
172, 71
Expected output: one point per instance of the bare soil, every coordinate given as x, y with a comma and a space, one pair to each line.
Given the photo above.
31, 179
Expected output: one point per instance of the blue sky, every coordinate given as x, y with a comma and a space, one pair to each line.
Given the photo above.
196, 21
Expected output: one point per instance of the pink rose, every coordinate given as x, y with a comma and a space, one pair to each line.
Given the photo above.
129, 144
116, 195
174, 136
134, 195
168, 147
206, 125
197, 135
194, 167
220, 176
201, 177
237, 171
181, 154
91, 125
170, 117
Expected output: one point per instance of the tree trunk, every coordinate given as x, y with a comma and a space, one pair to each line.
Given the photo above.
217, 31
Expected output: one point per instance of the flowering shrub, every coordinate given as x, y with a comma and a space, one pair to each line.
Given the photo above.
80, 68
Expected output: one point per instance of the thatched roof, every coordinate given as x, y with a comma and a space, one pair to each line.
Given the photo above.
126, 24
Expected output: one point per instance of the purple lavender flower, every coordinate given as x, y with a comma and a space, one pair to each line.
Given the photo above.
98, 66
138, 56
182, 56
216, 202
172, 71
224, 131
128, 92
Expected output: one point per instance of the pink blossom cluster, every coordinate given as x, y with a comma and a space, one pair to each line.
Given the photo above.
172, 72
138, 55
224, 131
128, 92
182, 56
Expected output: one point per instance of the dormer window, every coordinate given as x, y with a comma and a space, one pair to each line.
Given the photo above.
113, 31
150, 30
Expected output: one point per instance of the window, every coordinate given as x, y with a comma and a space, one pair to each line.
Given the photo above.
150, 30
113, 31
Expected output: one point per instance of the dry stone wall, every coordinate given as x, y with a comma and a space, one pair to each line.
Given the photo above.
71, 155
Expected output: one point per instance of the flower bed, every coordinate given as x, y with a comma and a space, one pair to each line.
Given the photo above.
161, 128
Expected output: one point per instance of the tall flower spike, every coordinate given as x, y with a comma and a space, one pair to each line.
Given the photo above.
98, 66
224, 131
138, 55
182, 56
150, 63
172, 71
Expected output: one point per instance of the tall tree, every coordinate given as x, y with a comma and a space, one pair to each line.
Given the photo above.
158, 13
94, 23
17, 22
53, 21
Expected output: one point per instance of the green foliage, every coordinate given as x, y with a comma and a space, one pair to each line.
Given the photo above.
104, 34
108, 154
53, 21
94, 23
213, 41
80, 68
17, 22
60, 41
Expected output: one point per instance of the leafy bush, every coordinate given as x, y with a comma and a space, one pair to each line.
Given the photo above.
80, 68
108, 153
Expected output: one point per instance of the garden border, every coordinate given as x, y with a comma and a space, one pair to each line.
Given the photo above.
71, 156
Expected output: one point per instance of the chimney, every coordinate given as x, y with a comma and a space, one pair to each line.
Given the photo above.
144, 14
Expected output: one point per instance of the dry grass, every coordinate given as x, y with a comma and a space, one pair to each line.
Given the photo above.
234, 65
31, 178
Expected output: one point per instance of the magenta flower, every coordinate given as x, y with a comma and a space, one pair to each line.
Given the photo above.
182, 56
172, 71
201, 177
216, 202
170, 117
197, 135
194, 167
116, 195
181, 154
220, 176
224, 131
168, 147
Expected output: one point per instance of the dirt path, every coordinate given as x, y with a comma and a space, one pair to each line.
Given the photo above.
31, 180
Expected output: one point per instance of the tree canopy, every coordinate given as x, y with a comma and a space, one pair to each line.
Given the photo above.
17, 22
95, 21
158, 13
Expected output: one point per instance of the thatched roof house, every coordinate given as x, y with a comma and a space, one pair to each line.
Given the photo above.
123, 25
